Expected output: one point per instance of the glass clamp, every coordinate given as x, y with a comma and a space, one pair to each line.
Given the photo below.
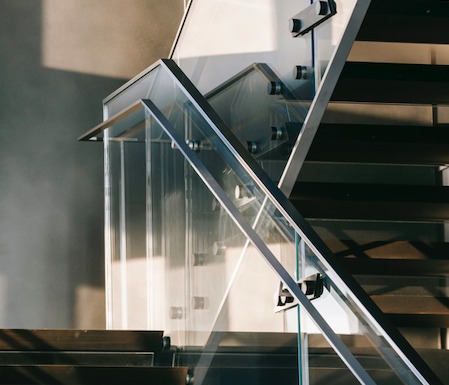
312, 286
312, 16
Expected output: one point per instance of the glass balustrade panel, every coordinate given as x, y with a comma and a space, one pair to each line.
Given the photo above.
337, 306
263, 113
127, 270
173, 107
394, 246
255, 206
218, 39
217, 298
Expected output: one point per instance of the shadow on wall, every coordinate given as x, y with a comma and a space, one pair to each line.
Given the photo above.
51, 186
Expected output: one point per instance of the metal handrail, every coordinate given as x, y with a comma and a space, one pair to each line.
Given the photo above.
343, 281
92, 133
349, 359
337, 273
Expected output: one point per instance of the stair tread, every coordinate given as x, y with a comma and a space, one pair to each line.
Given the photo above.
413, 72
375, 202
420, 320
251, 341
397, 267
428, 8
370, 192
417, 21
379, 133
394, 250
373, 211
402, 304
379, 153
403, 29
80, 340
373, 143
129, 359
393, 83
73, 375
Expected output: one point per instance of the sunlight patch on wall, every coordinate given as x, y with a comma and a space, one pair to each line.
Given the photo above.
229, 27
114, 38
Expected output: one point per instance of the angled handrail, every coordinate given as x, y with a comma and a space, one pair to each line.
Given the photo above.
92, 133
347, 357
321, 99
336, 272
417, 371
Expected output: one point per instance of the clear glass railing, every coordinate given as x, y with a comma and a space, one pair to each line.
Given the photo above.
394, 245
222, 39
213, 216
263, 113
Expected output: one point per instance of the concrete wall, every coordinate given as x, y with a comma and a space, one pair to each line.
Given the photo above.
58, 60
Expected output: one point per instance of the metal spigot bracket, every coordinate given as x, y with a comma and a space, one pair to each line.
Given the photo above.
312, 286
312, 16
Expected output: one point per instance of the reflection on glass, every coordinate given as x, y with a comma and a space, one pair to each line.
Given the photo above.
179, 257
221, 38
263, 113
274, 231
126, 247
192, 240
195, 247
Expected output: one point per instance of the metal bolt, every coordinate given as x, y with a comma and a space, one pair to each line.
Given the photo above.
199, 303
321, 8
218, 248
252, 147
176, 312
241, 192
277, 133
274, 88
198, 259
294, 25
166, 343
300, 72
194, 145
190, 380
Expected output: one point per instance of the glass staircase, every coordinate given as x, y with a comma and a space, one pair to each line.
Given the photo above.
201, 152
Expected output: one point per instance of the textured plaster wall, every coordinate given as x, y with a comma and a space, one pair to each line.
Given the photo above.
51, 186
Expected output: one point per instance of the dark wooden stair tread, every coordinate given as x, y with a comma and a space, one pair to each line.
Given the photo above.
376, 133
369, 192
374, 202
379, 153
374, 211
117, 359
414, 21
398, 267
72, 357
404, 29
425, 8
80, 340
325, 357
392, 304
393, 83
395, 250
404, 72
73, 375
420, 320
382, 144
